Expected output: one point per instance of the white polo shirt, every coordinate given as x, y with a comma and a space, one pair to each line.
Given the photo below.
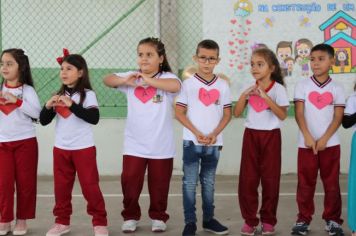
319, 99
72, 132
351, 107
205, 102
149, 123
259, 115
15, 122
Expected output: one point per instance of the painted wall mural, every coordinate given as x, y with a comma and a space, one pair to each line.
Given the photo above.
290, 29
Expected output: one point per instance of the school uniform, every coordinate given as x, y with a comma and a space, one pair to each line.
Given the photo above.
351, 197
205, 102
148, 143
74, 152
261, 157
18, 154
319, 100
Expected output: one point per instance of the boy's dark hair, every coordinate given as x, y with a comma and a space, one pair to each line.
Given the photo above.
208, 44
324, 48
83, 83
24, 65
272, 60
160, 50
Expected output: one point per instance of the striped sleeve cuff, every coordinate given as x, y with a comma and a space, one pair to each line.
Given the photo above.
181, 104
227, 105
298, 100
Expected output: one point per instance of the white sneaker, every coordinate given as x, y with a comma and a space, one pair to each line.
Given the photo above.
20, 227
158, 226
101, 231
5, 228
58, 230
129, 226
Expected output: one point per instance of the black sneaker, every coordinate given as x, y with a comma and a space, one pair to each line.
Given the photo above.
215, 227
189, 229
300, 228
334, 228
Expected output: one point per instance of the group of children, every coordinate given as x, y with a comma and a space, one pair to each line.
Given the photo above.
204, 108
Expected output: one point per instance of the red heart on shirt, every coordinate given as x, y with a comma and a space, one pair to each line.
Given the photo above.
62, 110
7, 108
208, 97
320, 100
258, 103
145, 94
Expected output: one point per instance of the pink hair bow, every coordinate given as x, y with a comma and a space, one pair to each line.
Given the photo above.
65, 53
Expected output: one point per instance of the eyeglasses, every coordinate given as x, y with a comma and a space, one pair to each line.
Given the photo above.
6, 64
210, 60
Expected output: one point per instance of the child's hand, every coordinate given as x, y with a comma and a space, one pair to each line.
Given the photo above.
145, 79
261, 92
130, 80
212, 139
321, 144
250, 91
52, 101
309, 142
9, 98
201, 138
66, 100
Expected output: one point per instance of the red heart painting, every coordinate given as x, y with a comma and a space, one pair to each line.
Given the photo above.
208, 97
7, 108
257, 103
62, 110
320, 100
145, 94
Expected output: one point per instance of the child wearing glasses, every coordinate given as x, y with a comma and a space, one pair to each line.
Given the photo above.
204, 109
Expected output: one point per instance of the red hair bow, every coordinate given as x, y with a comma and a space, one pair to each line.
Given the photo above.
65, 53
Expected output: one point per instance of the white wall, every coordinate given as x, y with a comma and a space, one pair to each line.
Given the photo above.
109, 140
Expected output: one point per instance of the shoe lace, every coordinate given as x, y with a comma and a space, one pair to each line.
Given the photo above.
300, 223
333, 225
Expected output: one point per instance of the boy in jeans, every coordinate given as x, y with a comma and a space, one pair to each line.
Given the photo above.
319, 107
204, 109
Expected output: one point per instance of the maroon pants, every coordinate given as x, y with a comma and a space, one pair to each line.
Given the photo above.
159, 172
260, 162
328, 161
18, 166
66, 164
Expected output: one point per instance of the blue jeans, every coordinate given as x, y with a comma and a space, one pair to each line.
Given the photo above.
205, 157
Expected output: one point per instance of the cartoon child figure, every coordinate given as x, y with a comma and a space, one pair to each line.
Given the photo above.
289, 62
302, 48
243, 8
257, 46
284, 50
341, 59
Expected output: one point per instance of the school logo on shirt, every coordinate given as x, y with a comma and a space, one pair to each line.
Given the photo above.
209, 97
320, 100
145, 94
257, 103
6, 108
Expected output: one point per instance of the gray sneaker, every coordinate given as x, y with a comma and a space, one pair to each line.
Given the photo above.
300, 228
334, 228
